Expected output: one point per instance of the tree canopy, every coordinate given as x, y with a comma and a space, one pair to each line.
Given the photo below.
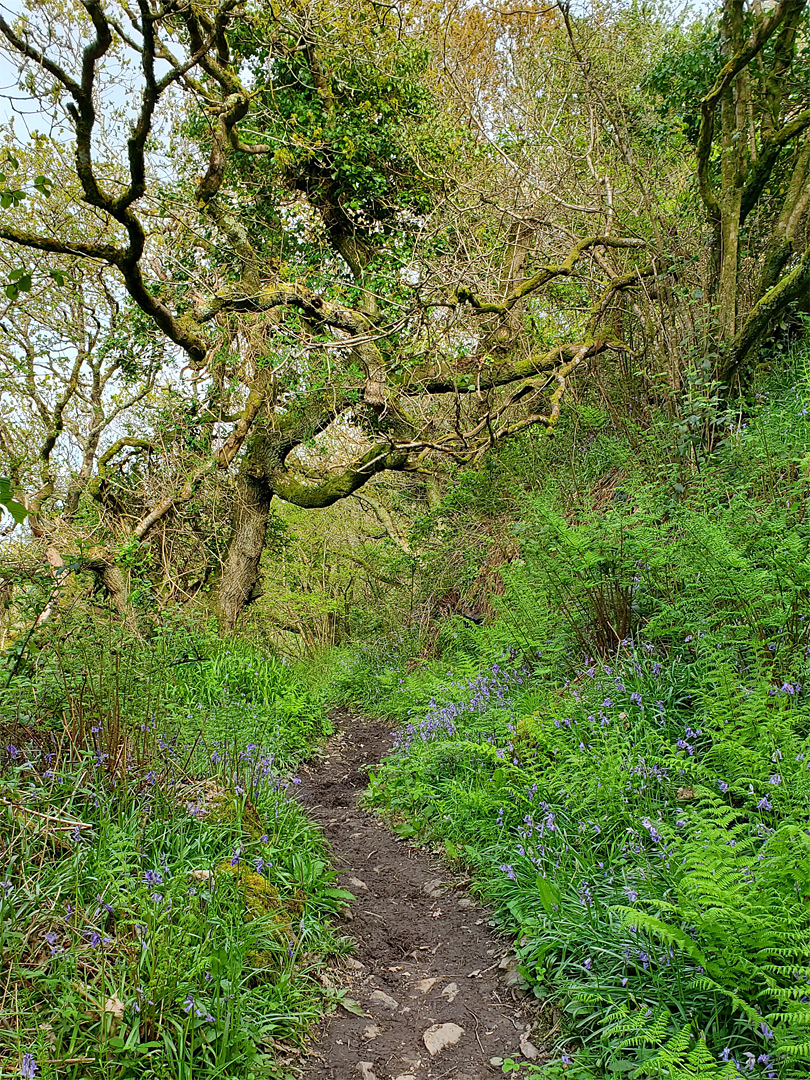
271, 252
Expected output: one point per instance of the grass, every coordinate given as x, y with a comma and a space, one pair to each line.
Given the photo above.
166, 905
648, 854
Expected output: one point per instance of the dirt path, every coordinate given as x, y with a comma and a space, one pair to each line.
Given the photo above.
427, 964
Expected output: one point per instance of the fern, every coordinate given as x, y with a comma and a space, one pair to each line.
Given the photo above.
663, 1049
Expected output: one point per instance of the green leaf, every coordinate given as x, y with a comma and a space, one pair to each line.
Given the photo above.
16, 509
549, 894
44, 185
352, 1006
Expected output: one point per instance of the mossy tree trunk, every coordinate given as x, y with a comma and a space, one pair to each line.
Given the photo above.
762, 135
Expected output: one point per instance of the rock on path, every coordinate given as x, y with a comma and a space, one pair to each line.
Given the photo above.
428, 971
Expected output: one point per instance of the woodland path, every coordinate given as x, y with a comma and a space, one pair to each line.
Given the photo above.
426, 957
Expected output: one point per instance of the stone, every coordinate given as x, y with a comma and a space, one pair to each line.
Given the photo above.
439, 1036
371, 1031
366, 1070
379, 997
424, 986
466, 902
434, 888
527, 1047
356, 883
511, 975
450, 992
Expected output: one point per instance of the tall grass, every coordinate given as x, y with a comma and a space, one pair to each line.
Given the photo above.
165, 904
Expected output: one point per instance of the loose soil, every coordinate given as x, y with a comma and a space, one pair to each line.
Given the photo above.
427, 955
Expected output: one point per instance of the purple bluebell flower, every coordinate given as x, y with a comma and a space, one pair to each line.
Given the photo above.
28, 1066
767, 1033
723, 786
776, 780
764, 803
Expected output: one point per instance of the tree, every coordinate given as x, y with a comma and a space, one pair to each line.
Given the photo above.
376, 245
751, 127
349, 134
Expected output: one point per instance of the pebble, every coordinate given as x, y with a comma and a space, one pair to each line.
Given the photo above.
439, 1036
434, 888
380, 997
527, 1047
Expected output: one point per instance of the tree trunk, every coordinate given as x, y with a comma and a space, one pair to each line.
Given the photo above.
240, 571
115, 583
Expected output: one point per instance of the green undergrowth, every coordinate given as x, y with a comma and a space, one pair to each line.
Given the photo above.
621, 756
166, 905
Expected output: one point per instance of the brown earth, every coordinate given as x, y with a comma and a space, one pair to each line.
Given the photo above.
427, 956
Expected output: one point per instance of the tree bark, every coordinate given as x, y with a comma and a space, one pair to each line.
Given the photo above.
115, 583
240, 571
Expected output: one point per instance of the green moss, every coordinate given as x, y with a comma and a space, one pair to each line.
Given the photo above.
226, 809
262, 900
